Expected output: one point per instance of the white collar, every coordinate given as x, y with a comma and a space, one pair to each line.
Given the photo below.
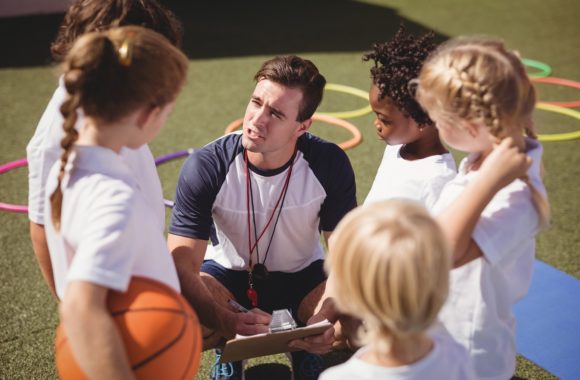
102, 160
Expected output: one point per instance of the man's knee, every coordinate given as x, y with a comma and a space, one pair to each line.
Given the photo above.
311, 303
219, 292
211, 338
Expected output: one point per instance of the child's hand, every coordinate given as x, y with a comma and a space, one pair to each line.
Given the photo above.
505, 163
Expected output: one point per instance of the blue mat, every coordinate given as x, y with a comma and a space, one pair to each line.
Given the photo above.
548, 322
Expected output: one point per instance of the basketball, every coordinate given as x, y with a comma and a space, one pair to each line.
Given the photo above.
160, 331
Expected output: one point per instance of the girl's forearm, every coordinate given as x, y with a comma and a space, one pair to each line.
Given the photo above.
92, 333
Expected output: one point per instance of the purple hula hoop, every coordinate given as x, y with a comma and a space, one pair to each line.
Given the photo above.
173, 156
169, 157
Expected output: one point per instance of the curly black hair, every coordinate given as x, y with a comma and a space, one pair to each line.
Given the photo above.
397, 62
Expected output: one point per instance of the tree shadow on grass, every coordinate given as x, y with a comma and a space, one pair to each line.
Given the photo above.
217, 29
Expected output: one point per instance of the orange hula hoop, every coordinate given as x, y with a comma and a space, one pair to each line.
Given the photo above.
345, 145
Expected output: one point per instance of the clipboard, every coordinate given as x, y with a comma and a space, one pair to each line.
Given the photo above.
246, 347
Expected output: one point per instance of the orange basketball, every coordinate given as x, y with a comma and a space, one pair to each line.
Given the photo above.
160, 330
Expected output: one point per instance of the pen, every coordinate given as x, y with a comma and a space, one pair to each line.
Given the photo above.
237, 306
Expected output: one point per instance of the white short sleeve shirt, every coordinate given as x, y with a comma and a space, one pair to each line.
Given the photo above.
44, 150
447, 360
109, 230
478, 312
419, 180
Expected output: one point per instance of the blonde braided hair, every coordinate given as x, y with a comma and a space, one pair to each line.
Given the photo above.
477, 80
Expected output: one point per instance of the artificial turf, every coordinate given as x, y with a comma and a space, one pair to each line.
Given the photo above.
226, 42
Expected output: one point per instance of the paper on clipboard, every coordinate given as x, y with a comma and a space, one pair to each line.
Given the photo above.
245, 347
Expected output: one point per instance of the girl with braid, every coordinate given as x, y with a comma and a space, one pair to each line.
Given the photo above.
101, 227
43, 150
415, 164
478, 94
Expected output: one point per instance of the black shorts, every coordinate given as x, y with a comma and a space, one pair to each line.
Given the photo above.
280, 291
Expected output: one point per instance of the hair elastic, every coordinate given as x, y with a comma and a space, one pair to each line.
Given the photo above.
126, 50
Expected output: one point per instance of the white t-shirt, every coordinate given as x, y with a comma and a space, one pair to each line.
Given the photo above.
109, 229
446, 361
478, 312
420, 180
211, 202
44, 150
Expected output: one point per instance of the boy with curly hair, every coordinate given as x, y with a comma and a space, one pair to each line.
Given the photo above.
415, 164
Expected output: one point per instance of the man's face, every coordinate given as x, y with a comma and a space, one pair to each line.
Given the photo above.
270, 124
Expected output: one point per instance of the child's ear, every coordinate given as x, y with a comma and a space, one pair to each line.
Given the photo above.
146, 115
473, 129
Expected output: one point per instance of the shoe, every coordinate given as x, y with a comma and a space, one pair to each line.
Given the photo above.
226, 371
306, 366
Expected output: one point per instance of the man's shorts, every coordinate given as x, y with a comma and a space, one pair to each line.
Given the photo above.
280, 291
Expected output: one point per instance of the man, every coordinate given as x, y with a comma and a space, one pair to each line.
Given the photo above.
263, 197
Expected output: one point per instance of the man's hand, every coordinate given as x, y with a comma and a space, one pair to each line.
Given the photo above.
253, 322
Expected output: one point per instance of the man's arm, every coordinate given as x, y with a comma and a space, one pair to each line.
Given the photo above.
188, 256
325, 309
40, 248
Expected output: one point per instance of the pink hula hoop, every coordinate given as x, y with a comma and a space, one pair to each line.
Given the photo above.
6, 168
560, 82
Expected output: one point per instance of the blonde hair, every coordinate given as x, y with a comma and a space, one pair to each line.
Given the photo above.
389, 266
477, 80
111, 74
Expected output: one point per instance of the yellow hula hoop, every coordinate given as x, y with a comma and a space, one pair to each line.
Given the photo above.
348, 144
351, 91
564, 111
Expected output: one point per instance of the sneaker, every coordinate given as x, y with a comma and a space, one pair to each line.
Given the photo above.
226, 371
306, 366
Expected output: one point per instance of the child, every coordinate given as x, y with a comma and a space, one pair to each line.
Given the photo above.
415, 164
390, 267
44, 148
481, 99
101, 227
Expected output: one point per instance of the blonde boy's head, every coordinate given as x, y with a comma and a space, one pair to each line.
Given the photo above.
389, 266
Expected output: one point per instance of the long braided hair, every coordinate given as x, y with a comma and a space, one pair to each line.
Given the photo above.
477, 80
110, 74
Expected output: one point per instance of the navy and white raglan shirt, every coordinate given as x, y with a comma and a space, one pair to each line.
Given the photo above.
211, 202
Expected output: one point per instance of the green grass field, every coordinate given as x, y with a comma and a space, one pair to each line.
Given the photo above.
226, 43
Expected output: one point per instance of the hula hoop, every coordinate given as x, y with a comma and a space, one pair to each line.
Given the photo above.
170, 157
351, 91
348, 144
4, 169
564, 111
23, 162
544, 69
560, 82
